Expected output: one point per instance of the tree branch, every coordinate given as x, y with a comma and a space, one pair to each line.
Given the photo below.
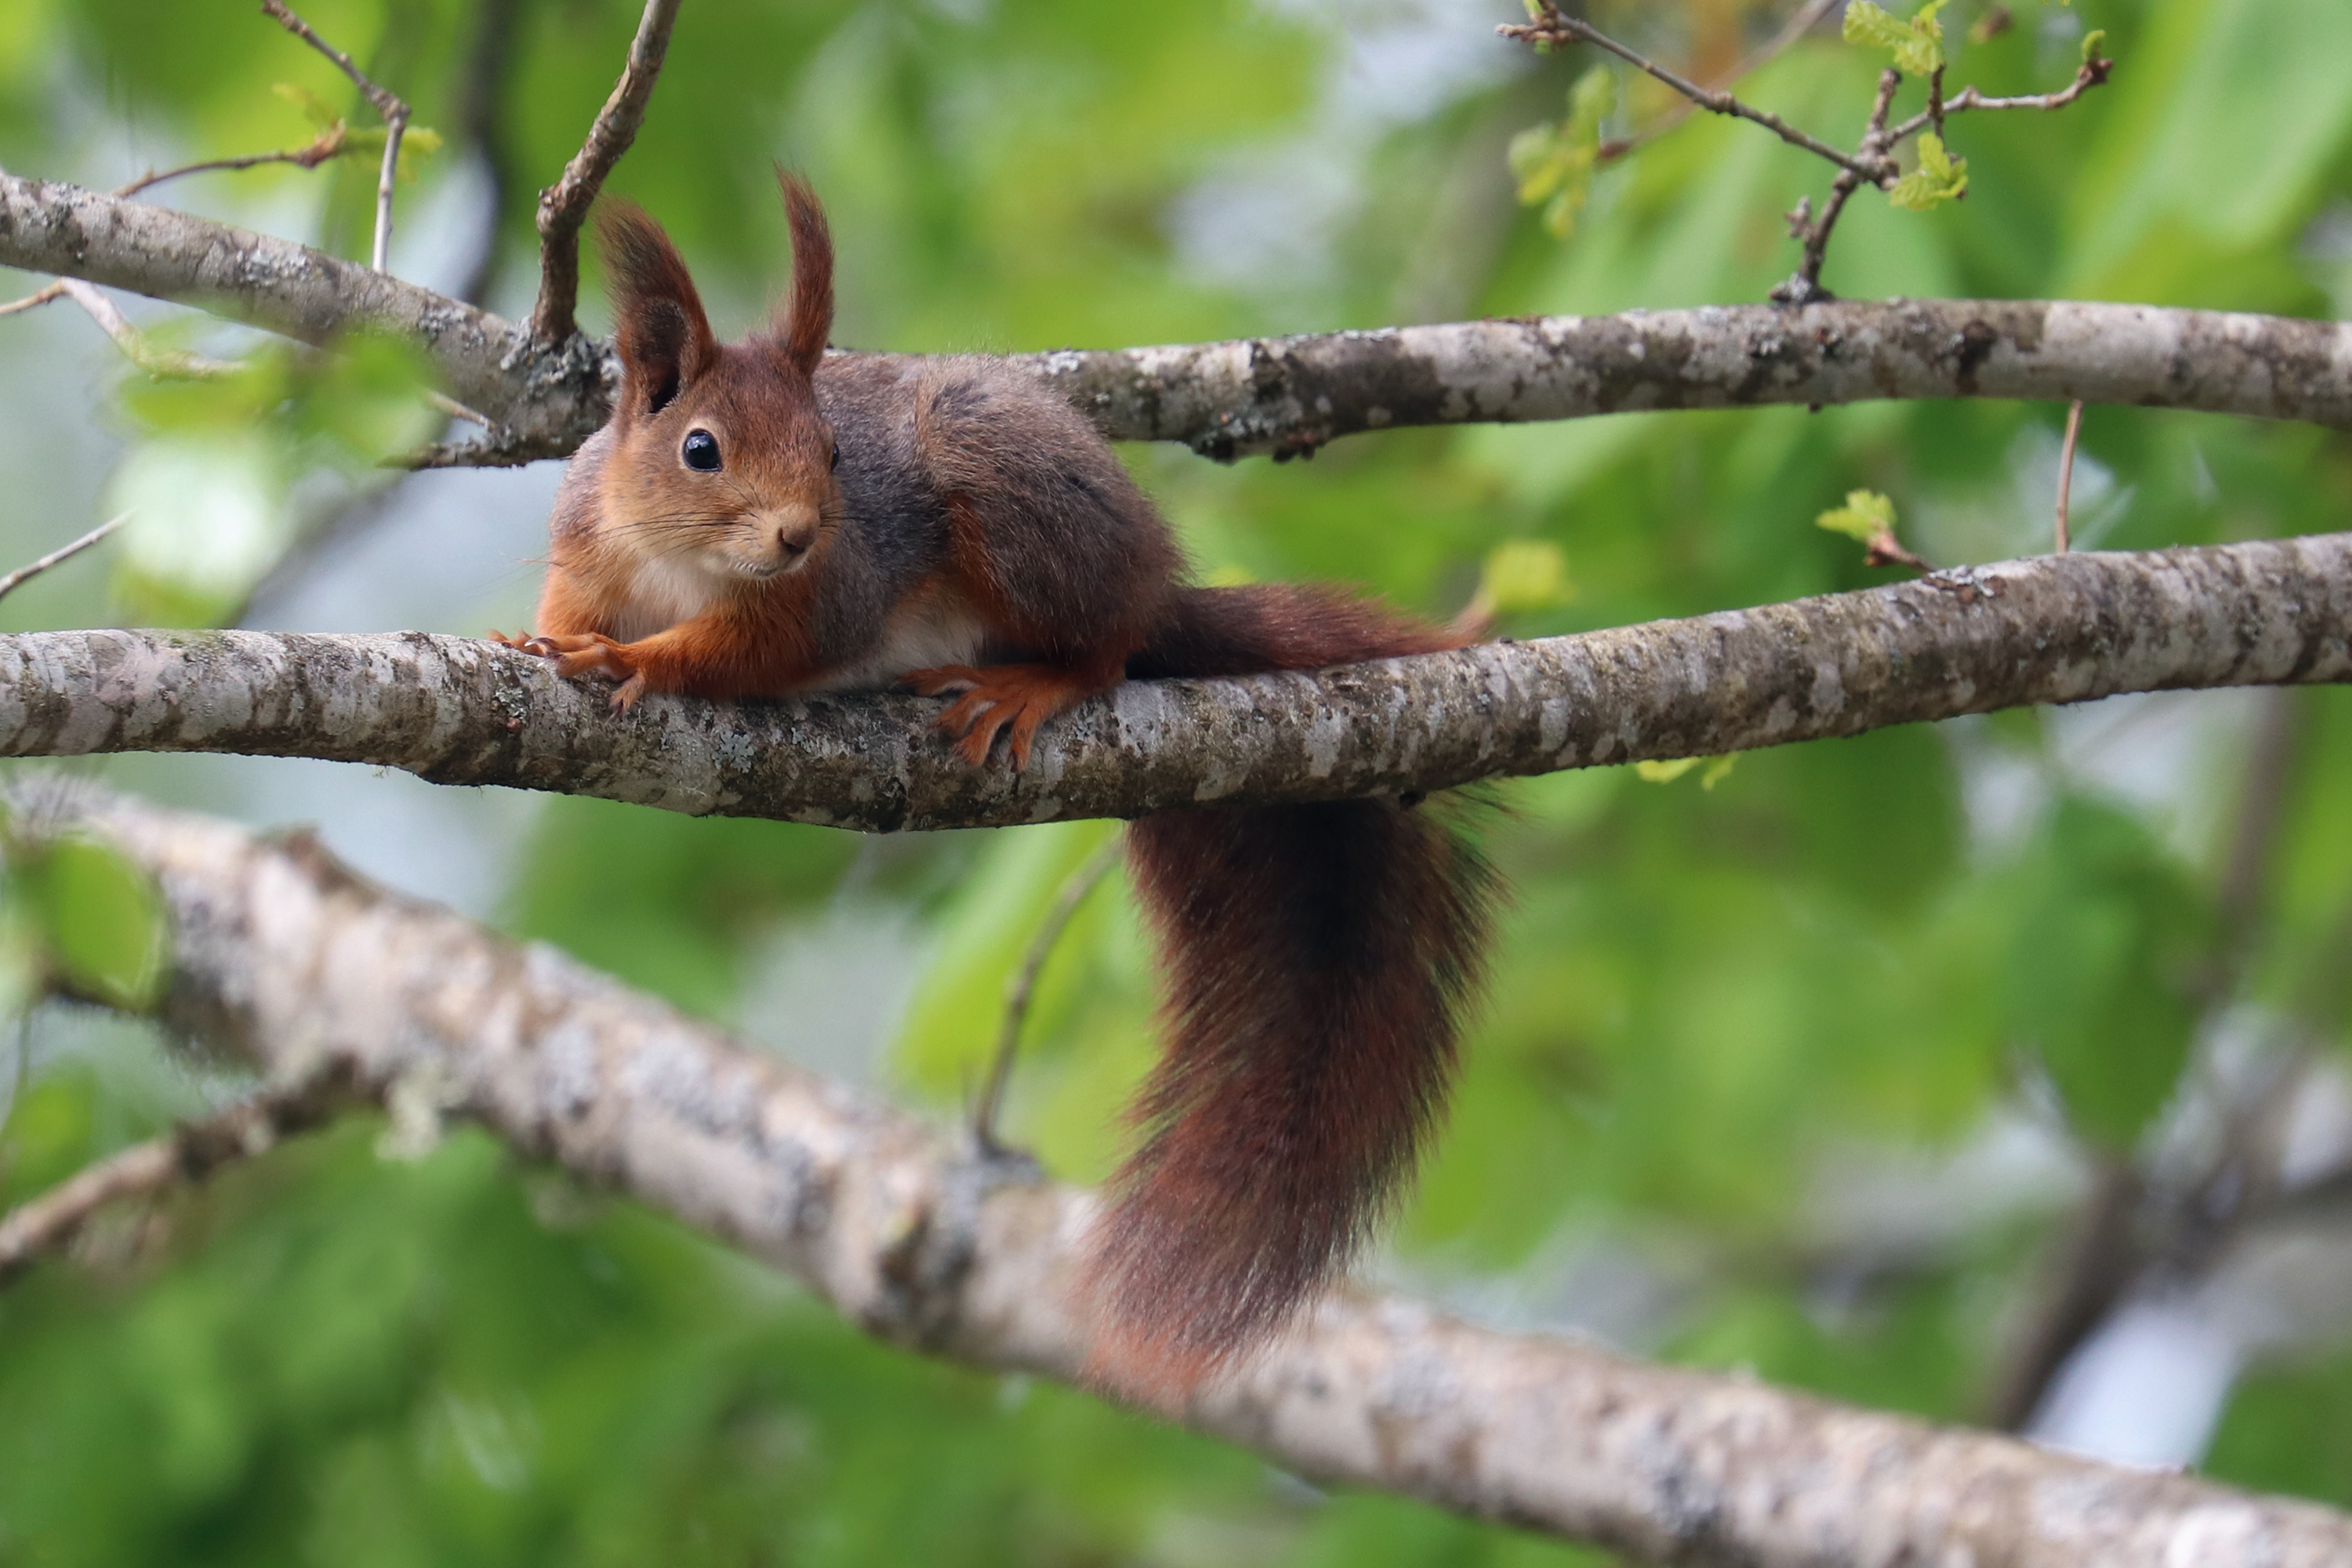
189, 1153
1968, 640
563, 206
549, 400
1554, 28
387, 104
1287, 396
287, 957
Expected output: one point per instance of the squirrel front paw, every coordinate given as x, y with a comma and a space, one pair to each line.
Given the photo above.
587, 654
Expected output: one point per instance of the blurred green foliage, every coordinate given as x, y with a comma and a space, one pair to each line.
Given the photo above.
1711, 1005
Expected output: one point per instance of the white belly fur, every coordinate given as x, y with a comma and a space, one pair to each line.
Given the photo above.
941, 630
665, 592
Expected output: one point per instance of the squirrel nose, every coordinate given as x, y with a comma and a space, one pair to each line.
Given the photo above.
795, 528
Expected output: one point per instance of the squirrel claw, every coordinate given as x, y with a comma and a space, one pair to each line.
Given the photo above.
587, 654
1021, 696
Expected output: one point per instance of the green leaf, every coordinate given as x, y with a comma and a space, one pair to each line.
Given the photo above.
2091, 42
1553, 162
209, 514
1866, 516
1918, 44
316, 110
1523, 577
1939, 178
1873, 27
98, 919
418, 142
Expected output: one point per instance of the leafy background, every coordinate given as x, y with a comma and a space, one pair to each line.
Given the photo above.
1809, 1065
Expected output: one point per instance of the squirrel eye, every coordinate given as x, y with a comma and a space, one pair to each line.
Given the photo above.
700, 451
836, 456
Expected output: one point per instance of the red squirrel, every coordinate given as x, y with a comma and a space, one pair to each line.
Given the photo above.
757, 520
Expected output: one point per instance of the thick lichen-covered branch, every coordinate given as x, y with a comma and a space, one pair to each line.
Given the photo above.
547, 399
925, 1242
1290, 396
2050, 629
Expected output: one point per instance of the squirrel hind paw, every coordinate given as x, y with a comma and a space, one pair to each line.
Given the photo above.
1021, 696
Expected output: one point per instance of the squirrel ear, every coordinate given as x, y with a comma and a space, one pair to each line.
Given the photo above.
807, 319
663, 335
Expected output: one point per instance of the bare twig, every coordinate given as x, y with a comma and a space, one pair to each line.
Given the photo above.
2083, 1279
1805, 287
387, 104
2094, 73
1558, 28
189, 1153
2066, 469
36, 300
1023, 986
2182, 1222
445, 404
63, 553
1886, 550
329, 143
1806, 18
563, 206
172, 363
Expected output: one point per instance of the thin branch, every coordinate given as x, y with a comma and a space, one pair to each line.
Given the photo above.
1558, 28
177, 364
922, 1241
36, 300
1023, 986
1807, 17
1966, 640
563, 206
188, 1154
327, 144
386, 103
2093, 73
2066, 470
2083, 1278
1805, 287
2180, 1221
30, 570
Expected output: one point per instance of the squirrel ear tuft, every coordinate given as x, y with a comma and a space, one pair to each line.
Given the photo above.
807, 319
660, 326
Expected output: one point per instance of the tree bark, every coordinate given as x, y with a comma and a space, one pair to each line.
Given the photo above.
1287, 396
282, 954
2062, 628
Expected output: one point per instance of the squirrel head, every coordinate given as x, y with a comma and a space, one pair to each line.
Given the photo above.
720, 460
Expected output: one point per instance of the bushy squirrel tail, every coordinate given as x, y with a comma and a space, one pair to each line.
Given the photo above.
1319, 959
